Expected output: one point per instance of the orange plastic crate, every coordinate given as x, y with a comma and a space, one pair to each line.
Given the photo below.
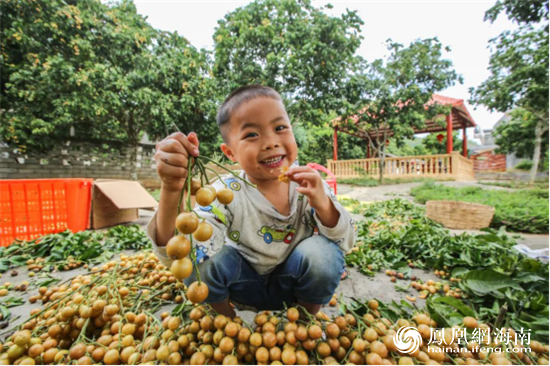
30, 208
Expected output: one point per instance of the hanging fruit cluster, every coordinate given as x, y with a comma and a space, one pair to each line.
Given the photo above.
190, 225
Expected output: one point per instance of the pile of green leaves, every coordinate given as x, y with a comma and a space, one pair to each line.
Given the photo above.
5, 304
523, 210
82, 247
504, 287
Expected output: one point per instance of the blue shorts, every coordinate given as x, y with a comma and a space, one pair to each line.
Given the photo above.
310, 274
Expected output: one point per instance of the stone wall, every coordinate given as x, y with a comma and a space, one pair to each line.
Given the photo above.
75, 159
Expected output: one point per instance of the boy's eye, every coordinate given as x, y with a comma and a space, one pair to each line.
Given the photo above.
250, 135
280, 128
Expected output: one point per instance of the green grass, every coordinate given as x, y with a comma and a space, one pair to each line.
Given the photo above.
524, 210
370, 182
524, 165
517, 184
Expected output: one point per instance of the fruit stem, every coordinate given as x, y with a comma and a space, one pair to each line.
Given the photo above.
228, 170
203, 175
190, 167
219, 177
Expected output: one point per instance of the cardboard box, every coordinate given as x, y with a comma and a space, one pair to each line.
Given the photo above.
118, 201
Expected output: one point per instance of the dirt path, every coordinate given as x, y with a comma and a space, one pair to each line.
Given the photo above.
385, 193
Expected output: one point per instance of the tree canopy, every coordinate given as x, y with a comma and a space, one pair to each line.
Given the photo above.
516, 135
99, 68
395, 93
293, 47
522, 11
519, 70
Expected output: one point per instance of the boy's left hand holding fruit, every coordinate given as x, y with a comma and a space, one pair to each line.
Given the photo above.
311, 186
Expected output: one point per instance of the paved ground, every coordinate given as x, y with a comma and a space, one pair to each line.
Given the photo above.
356, 286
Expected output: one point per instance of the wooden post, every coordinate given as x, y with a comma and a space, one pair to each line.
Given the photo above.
450, 133
335, 145
368, 157
455, 165
464, 142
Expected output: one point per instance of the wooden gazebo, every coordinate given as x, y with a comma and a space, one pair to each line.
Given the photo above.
430, 165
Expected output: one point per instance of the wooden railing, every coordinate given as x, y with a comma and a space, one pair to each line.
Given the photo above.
444, 166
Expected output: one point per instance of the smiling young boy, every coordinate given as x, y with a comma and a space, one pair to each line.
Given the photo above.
281, 243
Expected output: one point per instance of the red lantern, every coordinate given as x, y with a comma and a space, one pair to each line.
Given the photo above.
440, 138
387, 142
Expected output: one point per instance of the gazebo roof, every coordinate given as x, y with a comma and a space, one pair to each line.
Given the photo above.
461, 118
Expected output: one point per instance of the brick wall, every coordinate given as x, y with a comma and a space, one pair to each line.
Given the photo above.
488, 161
80, 160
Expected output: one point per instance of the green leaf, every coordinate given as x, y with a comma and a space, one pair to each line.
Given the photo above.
458, 271
487, 281
455, 303
5, 312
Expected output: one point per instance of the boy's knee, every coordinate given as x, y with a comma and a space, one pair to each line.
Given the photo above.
221, 268
321, 256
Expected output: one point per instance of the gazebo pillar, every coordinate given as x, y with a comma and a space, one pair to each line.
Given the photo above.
335, 145
450, 133
368, 150
464, 142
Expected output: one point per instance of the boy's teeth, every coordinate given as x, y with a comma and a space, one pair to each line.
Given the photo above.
273, 160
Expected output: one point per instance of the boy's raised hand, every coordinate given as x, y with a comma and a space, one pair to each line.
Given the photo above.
172, 157
311, 185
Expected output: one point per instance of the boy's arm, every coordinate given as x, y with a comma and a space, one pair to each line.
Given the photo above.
336, 224
166, 216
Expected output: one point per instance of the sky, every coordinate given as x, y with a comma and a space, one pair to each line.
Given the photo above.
458, 24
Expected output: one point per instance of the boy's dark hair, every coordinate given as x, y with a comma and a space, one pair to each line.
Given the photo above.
238, 97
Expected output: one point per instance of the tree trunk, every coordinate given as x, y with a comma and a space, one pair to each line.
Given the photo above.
539, 130
382, 156
133, 146
133, 160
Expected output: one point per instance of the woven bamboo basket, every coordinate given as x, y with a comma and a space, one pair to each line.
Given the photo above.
460, 215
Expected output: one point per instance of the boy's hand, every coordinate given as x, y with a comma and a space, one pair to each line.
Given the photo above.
172, 157
311, 185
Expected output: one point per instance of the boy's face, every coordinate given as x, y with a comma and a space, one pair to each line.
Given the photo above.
259, 137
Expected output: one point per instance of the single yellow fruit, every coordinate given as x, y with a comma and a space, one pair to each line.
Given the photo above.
225, 196
181, 268
178, 247
187, 222
205, 196
197, 293
203, 232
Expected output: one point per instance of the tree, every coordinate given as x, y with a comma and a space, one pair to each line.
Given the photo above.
516, 135
101, 69
315, 143
519, 68
522, 11
48, 49
433, 146
293, 47
153, 90
392, 97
